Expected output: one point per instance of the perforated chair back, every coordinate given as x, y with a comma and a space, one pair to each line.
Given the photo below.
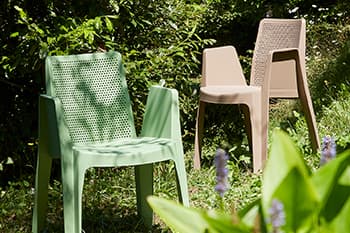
275, 34
94, 95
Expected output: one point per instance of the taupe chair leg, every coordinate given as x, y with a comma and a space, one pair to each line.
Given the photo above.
306, 103
199, 135
248, 125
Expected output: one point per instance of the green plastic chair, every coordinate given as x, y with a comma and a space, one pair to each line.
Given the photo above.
86, 120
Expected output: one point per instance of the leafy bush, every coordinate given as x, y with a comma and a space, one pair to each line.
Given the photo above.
158, 40
294, 199
335, 119
236, 21
331, 77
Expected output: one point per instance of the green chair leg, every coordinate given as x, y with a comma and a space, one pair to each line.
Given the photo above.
144, 188
73, 180
182, 182
41, 191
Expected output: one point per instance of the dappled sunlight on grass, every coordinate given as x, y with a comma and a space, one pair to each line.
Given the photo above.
109, 198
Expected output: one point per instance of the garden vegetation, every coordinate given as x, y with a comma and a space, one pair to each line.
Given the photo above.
160, 39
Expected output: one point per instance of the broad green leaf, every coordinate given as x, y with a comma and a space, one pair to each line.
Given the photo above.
325, 178
249, 212
299, 199
226, 223
283, 158
334, 205
341, 223
253, 216
147, 21
43, 50
345, 177
332, 183
179, 218
173, 25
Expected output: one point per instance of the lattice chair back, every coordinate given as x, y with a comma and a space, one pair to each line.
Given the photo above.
93, 91
277, 34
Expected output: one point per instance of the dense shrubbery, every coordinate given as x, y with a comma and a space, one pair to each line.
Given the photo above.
158, 40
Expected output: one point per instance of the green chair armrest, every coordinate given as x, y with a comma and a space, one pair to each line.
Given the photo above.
53, 130
162, 117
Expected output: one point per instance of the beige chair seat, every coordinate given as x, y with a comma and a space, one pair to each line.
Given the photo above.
228, 94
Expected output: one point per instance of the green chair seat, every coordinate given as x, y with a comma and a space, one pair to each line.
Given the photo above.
124, 152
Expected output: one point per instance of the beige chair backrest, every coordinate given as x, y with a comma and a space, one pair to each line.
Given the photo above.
221, 67
275, 34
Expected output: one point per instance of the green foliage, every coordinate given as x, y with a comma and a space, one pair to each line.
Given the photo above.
162, 40
332, 121
333, 77
158, 40
310, 201
335, 117
236, 21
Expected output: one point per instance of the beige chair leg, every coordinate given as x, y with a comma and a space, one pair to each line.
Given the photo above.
264, 132
248, 125
199, 135
259, 144
306, 103
305, 99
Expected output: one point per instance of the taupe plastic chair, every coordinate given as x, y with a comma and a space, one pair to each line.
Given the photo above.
278, 71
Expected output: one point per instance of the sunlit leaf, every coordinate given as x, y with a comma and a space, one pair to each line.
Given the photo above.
14, 34
283, 158
109, 24
287, 179
9, 160
178, 217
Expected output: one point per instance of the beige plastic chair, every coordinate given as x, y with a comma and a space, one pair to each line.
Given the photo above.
278, 71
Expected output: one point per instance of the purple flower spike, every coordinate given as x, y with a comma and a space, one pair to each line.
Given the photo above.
328, 150
277, 215
221, 171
